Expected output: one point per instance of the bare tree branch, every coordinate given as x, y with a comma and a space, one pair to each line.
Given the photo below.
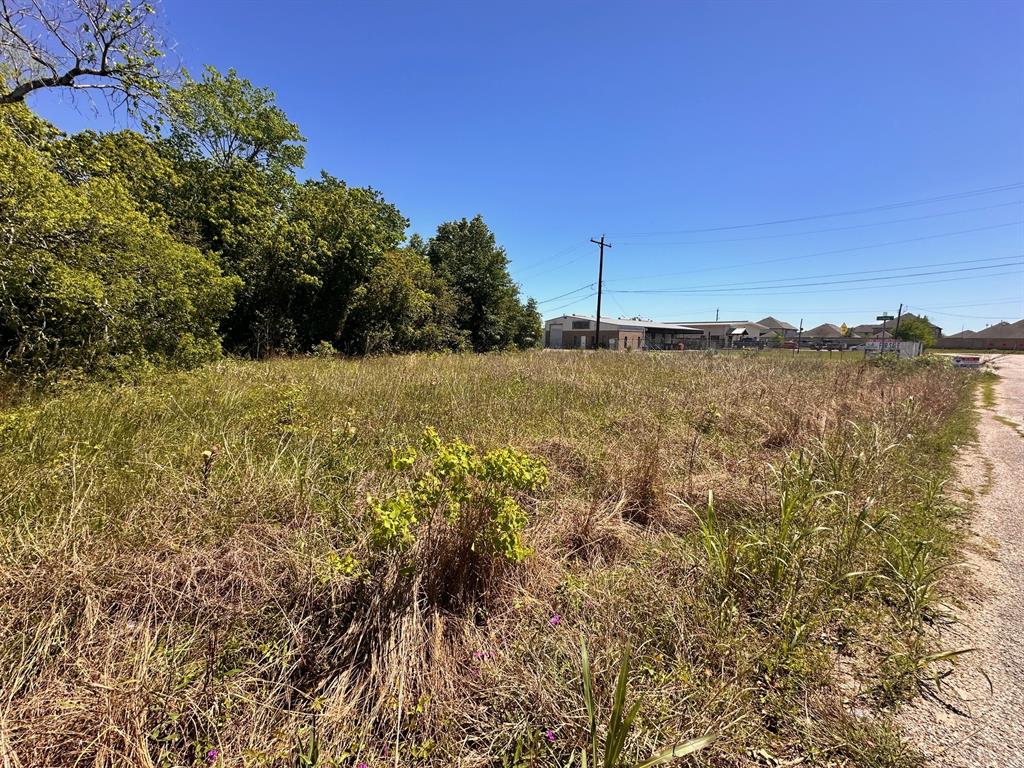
56, 43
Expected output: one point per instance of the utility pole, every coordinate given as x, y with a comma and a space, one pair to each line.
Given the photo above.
716, 315
600, 277
899, 314
799, 335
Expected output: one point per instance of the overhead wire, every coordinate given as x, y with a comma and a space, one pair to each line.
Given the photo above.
529, 268
777, 310
826, 229
955, 314
832, 275
780, 283
832, 252
852, 212
786, 292
766, 285
573, 302
567, 293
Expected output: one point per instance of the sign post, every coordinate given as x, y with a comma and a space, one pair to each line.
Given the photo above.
884, 317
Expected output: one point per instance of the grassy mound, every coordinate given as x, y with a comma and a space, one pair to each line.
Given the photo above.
273, 564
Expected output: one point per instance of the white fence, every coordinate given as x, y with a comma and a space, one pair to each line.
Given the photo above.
893, 347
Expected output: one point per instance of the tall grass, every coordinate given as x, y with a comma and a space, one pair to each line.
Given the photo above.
189, 573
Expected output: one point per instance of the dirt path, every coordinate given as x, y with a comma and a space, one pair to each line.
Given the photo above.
977, 718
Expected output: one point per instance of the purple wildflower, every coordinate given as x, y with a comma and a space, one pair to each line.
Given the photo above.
363, 765
212, 755
549, 735
555, 620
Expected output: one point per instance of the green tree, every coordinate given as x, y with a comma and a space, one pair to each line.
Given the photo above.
334, 238
146, 173
915, 329
227, 120
89, 282
418, 245
529, 331
402, 307
235, 153
465, 254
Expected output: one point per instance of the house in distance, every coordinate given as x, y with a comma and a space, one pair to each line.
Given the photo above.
779, 327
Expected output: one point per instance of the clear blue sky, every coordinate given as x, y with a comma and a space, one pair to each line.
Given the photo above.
561, 120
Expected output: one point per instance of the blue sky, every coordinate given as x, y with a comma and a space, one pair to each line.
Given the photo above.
670, 126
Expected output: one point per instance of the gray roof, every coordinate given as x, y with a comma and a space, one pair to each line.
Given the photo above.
620, 322
726, 325
1003, 330
824, 331
773, 323
961, 335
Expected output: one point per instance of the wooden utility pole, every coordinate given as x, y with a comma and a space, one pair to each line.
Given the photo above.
899, 314
600, 277
799, 335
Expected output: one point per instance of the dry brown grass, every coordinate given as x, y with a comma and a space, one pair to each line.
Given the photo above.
157, 605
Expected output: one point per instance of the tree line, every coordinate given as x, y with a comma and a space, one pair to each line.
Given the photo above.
194, 235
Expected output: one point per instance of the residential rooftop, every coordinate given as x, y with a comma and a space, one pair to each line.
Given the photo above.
774, 322
626, 322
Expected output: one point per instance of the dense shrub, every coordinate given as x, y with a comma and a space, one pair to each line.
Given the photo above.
88, 282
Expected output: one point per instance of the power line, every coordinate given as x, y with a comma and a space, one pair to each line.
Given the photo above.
557, 267
954, 314
766, 285
569, 293
618, 303
573, 303
780, 310
832, 275
821, 253
546, 260
994, 302
853, 212
854, 288
827, 229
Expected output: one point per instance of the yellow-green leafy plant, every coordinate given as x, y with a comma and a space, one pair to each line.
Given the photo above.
452, 486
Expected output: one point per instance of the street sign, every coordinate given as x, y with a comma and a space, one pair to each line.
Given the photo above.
885, 317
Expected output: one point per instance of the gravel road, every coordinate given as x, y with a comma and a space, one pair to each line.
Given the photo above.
977, 718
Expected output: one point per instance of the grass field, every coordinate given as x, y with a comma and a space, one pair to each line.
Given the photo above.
267, 563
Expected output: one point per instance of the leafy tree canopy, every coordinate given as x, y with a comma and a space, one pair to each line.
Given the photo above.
130, 249
87, 281
403, 307
147, 174
226, 119
915, 329
466, 255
